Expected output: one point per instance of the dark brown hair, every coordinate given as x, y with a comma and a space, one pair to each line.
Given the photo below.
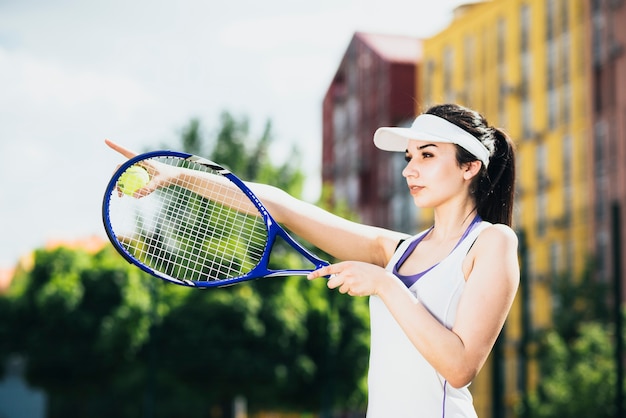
493, 188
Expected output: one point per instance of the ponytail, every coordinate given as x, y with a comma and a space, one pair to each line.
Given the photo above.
494, 189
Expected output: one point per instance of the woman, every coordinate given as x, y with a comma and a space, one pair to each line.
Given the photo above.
439, 299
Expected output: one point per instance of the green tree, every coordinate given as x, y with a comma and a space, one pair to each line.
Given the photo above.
576, 358
577, 377
79, 320
578, 302
191, 137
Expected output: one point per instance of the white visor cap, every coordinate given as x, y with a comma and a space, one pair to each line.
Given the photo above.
427, 127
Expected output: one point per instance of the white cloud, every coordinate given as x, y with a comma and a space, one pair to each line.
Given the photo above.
43, 85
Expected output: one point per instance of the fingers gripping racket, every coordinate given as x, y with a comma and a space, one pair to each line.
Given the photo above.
194, 223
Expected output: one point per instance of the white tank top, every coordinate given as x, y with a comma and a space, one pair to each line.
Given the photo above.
401, 383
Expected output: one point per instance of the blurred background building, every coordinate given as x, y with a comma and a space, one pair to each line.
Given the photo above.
606, 63
552, 73
375, 85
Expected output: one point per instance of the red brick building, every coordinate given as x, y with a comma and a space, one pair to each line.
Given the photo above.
607, 149
375, 85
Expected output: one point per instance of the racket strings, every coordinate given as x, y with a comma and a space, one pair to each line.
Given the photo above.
201, 229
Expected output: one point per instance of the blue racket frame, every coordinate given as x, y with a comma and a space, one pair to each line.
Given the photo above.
274, 230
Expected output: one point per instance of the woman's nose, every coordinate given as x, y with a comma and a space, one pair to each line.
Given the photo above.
410, 170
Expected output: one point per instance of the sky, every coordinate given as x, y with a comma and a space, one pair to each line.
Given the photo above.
74, 72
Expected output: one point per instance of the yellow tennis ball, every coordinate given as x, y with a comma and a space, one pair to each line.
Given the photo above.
133, 179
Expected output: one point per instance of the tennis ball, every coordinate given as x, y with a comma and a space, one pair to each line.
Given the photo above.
133, 179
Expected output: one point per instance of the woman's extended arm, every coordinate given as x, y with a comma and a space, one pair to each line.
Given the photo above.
338, 237
341, 238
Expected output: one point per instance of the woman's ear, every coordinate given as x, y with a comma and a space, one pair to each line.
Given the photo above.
472, 169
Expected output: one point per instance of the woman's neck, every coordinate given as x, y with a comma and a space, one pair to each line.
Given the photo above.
452, 223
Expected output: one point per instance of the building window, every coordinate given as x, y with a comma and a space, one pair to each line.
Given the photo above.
567, 103
553, 107
519, 192
600, 177
502, 71
565, 57
555, 259
525, 72
597, 26
427, 85
569, 256
469, 58
552, 56
527, 117
602, 249
568, 200
448, 70
525, 28
542, 182
404, 212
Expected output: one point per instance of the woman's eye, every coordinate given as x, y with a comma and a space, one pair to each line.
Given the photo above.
407, 158
426, 155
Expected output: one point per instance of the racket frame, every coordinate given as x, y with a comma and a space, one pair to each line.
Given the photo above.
274, 230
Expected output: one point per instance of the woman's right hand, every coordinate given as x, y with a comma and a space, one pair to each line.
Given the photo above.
161, 175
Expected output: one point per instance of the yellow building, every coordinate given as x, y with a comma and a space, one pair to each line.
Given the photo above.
521, 64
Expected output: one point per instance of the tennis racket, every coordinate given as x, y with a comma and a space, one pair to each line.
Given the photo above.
195, 224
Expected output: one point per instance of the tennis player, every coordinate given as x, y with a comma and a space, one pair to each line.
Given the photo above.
439, 299
443, 295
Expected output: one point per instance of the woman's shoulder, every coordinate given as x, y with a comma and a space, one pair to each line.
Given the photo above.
497, 235
495, 251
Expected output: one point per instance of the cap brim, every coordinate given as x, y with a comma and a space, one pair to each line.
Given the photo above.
397, 139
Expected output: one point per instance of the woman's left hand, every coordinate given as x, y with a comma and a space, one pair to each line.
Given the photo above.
355, 278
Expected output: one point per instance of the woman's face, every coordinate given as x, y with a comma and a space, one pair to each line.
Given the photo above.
433, 174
